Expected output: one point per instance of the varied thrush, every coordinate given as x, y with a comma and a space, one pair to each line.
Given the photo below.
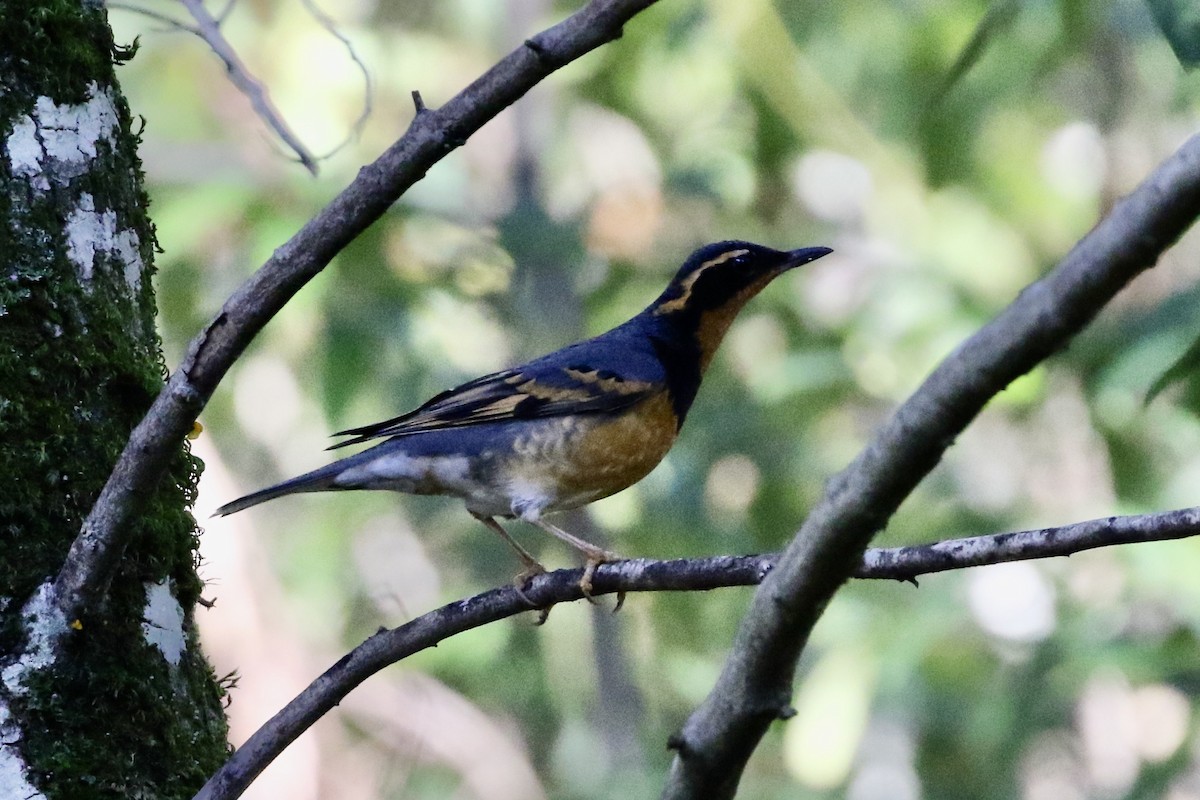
571, 427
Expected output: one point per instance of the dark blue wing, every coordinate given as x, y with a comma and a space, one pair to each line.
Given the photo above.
600, 375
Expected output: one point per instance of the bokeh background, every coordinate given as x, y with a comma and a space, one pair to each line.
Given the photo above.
951, 152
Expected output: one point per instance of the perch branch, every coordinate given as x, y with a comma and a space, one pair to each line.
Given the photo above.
755, 685
640, 575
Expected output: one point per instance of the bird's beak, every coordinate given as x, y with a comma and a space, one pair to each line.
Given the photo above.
804, 255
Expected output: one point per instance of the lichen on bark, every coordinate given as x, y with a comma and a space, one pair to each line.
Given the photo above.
79, 365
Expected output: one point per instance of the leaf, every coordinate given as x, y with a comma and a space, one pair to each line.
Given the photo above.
998, 20
1184, 367
1179, 20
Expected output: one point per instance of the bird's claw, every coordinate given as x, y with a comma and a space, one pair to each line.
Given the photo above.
594, 560
620, 602
531, 571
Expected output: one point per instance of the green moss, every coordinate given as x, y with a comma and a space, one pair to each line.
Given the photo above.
74, 34
100, 728
80, 366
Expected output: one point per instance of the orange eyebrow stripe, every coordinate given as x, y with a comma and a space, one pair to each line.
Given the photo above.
690, 281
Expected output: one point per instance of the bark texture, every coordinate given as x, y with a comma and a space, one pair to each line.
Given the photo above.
116, 701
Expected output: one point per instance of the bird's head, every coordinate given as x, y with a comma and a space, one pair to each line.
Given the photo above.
716, 281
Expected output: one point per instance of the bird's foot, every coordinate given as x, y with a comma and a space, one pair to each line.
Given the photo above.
593, 557
596, 557
533, 567
522, 579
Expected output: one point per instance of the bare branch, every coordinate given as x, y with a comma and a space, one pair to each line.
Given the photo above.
429, 138
389, 646
171, 24
329, 26
224, 13
209, 29
755, 685
641, 575
906, 563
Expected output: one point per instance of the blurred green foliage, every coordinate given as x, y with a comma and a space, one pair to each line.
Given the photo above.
1180, 24
950, 152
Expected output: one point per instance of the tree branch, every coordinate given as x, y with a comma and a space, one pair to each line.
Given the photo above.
641, 575
755, 685
430, 136
906, 563
208, 28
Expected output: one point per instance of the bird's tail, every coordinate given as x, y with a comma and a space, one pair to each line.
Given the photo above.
318, 480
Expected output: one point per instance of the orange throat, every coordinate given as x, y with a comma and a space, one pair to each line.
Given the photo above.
714, 324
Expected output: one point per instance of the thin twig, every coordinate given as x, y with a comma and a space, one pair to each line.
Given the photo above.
641, 575
172, 25
432, 135
329, 26
756, 682
209, 29
224, 13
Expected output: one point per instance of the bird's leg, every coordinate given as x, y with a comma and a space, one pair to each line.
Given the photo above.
595, 556
532, 566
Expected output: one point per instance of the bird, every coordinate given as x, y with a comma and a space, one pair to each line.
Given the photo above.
568, 428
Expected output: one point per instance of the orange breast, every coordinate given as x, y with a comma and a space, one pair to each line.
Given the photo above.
606, 455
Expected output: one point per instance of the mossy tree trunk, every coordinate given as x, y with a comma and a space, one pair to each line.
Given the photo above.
119, 702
